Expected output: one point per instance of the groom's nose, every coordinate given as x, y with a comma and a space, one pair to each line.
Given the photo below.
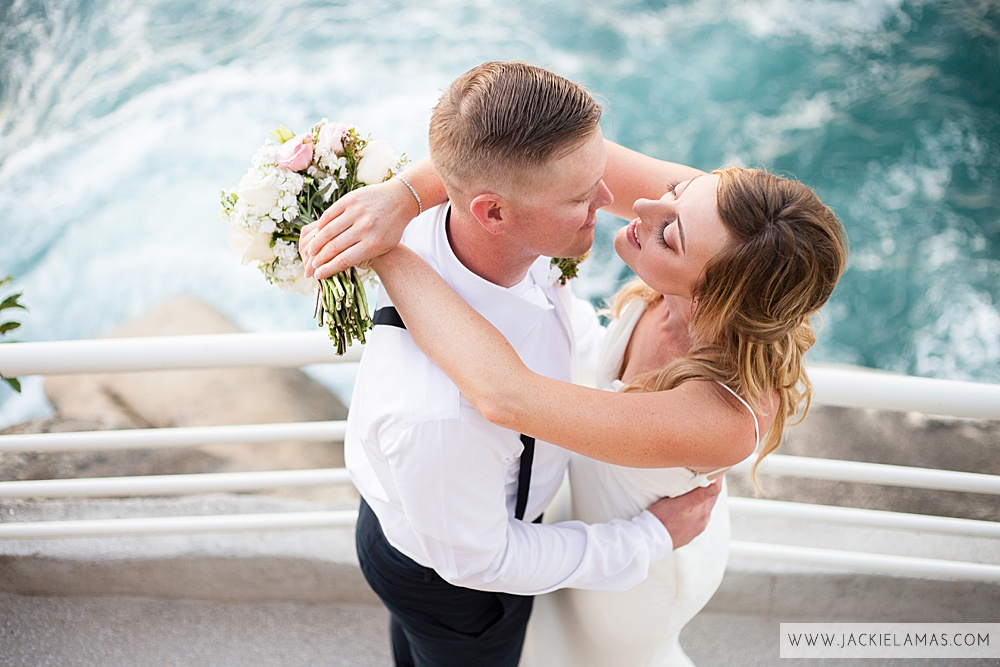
603, 195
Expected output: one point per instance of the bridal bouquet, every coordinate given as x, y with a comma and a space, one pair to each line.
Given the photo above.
289, 185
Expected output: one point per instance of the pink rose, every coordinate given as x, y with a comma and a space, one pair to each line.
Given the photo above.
331, 138
296, 153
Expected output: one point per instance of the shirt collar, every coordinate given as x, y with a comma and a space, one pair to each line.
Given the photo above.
514, 314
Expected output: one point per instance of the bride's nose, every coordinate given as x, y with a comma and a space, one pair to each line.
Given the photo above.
652, 208
643, 206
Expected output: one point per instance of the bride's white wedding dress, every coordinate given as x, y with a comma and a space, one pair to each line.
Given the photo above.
641, 626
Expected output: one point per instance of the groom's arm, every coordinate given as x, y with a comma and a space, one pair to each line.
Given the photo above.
450, 477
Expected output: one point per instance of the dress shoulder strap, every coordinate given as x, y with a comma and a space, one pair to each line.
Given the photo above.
756, 425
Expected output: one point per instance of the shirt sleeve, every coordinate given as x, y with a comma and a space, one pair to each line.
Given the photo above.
451, 477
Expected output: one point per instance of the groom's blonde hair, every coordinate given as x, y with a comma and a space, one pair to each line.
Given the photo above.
501, 120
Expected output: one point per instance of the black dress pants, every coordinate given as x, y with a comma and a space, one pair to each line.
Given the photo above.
434, 623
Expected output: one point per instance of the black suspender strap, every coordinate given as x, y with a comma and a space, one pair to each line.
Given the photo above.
389, 316
524, 476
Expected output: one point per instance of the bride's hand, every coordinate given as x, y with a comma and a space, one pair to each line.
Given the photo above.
357, 227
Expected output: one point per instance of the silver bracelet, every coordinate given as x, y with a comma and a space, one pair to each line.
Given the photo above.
420, 206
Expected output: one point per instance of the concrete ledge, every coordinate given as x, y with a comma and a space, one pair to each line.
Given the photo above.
129, 631
317, 565
190, 578
806, 595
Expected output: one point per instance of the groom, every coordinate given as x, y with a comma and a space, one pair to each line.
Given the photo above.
449, 533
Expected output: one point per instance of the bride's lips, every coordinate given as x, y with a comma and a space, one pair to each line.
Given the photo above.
633, 234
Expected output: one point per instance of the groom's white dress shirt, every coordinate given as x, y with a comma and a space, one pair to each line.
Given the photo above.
443, 480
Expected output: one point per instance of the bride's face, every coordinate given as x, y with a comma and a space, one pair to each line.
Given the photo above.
673, 238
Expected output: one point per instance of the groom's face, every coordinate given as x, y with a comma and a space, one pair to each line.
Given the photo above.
555, 215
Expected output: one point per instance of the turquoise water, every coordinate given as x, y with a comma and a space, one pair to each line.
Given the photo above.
120, 121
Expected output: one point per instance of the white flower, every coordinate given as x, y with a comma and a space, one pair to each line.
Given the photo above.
329, 187
303, 285
377, 159
288, 269
286, 251
266, 156
250, 246
258, 189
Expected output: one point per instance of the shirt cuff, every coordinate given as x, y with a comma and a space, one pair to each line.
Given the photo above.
661, 543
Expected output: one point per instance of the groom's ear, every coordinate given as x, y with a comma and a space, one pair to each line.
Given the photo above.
490, 210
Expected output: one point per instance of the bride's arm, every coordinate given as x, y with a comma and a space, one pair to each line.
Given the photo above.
691, 426
631, 175
370, 221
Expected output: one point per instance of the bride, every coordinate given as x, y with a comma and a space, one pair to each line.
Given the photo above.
708, 343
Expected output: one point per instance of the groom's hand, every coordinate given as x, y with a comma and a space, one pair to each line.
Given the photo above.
686, 516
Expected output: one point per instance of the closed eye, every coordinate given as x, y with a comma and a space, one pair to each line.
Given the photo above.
661, 233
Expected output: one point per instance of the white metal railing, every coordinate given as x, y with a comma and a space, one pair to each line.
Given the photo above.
852, 516
151, 353
178, 524
876, 473
160, 438
833, 386
172, 485
866, 562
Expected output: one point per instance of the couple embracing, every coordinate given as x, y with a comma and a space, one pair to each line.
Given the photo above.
467, 414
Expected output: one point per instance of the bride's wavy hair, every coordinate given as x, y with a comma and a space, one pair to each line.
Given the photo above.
758, 296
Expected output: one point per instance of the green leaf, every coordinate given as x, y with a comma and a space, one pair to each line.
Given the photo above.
11, 302
8, 326
14, 384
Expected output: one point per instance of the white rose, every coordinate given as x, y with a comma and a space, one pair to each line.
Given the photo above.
257, 190
250, 246
303, 285
376, 161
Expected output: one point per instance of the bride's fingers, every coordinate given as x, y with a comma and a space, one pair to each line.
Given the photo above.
328, 237
307, 230
326, 250
331, 212
350, 257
